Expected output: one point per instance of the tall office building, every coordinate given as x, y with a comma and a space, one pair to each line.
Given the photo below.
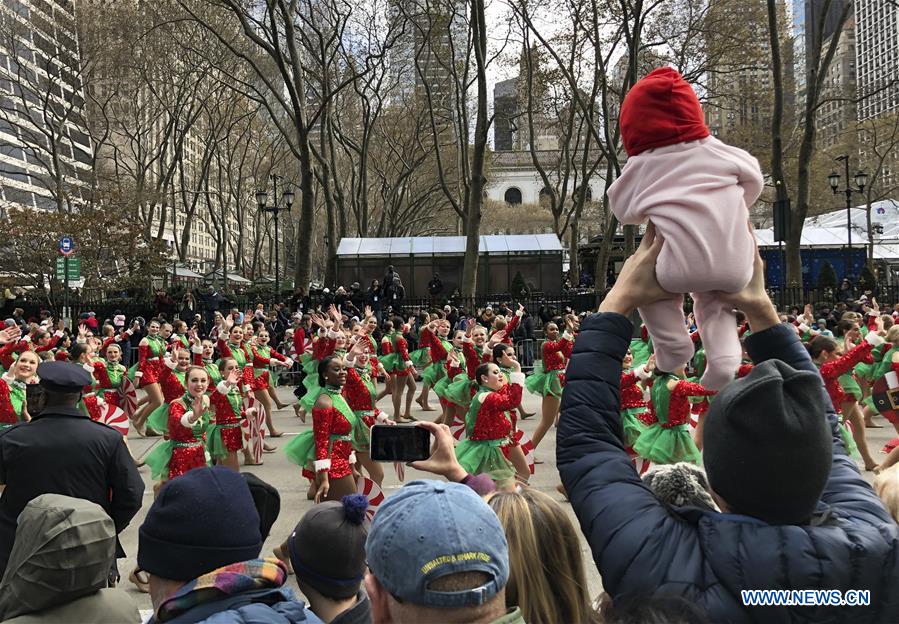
877, 57
434, 37
836, 117
45, 149
740, 89
505, 114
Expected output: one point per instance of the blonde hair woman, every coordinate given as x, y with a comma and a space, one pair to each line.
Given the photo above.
546, 570
886, 484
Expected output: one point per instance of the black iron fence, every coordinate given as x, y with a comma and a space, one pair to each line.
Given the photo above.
553, 304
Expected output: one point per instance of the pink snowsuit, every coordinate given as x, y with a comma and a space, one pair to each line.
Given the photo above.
697, 194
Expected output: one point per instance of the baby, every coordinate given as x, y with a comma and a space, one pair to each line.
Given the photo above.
696, 191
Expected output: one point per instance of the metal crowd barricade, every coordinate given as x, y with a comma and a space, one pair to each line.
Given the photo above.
526, 352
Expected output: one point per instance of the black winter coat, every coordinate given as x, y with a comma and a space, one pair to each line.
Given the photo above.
642, 547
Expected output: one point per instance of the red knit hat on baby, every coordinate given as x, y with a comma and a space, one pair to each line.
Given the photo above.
661, 109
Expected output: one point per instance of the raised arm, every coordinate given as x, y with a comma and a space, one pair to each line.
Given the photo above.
612, 504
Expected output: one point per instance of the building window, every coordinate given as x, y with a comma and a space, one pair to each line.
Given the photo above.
546, 195
512, 196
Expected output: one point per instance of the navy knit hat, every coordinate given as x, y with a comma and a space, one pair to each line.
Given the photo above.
201, 521
767, 445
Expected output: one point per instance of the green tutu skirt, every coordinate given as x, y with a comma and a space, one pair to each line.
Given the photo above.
866, 371
392, 362
441, 386
485, 457
421, 358
544, 383
158, 420
632, 427
361, 434
433, 373
309, 364
850, 386
848, 441
459, 390
662, 445
301, 450
158, 460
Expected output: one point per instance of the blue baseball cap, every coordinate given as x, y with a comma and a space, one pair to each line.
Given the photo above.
430, 529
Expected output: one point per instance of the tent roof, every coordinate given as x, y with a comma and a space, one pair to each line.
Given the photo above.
232, 277
829, 229
497, 244
185, 272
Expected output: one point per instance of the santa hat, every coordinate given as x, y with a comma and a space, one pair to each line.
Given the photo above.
661, 109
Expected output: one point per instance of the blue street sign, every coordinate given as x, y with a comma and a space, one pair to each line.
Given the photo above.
66, 245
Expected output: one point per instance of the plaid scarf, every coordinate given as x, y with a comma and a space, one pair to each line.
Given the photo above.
230, 580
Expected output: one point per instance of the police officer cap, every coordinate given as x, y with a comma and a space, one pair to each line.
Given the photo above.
63, 377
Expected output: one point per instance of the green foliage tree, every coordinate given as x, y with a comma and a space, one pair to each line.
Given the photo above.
866, 279
519, 287
827, 277
108, 241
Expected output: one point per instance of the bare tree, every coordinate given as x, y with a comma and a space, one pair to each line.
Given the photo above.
818, 59
449, 68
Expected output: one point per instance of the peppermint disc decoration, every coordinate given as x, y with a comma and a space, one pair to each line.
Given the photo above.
251, 426
457, 427
886, 399
128, 395
370, 490
114, 417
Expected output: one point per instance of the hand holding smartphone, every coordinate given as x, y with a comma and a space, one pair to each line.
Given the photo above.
400, 443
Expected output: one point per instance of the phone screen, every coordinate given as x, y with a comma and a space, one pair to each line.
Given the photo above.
403, 443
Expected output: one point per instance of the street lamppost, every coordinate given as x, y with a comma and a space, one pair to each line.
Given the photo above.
860, 179
287, 197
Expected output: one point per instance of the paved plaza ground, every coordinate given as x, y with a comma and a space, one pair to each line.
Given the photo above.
292, 486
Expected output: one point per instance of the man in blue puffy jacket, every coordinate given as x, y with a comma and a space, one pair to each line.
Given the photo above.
796, 513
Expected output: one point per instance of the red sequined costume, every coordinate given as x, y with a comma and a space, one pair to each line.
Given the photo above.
172, 387
225, 416
631, 393
101, 374
261, 361
679, 403
8, 415
831, 371
149, 363
510, 327
556, 354
302, 343
325, 424
189, 451
402, 348
114, 339
358, 396
495, 419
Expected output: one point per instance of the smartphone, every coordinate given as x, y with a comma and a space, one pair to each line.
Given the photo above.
402, 443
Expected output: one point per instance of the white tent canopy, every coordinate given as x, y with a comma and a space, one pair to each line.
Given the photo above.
829, 230
232, 277
494, 244
185, 273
